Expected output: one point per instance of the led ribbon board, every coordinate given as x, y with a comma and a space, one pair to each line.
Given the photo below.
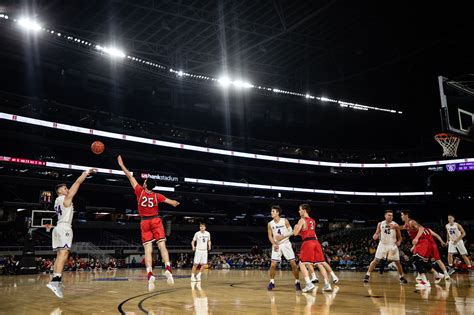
181, 146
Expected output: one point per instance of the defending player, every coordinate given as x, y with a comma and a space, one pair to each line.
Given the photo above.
275, 227
62, 233
455, 234
311, 251
390, 239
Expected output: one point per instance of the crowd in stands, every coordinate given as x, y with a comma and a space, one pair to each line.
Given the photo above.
77, 264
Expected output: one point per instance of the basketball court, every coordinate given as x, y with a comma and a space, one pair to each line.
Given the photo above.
230, 291
238, 105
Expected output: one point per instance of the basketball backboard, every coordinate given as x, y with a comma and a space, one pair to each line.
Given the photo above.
457, 107
41, 217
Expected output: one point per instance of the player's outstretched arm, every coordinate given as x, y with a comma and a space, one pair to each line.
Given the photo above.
436, 235
209, 244
447, 235
172, 202
75, 187
129, 175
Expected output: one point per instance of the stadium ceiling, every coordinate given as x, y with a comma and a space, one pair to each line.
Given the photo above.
296, 45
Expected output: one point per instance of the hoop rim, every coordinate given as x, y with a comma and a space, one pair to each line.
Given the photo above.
444, 135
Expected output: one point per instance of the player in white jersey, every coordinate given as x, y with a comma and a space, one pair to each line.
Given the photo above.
390, 239
455, 234
62, 233
280, 226
202, 238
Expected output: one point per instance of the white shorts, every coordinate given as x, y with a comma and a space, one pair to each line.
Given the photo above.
458, 247
389, 252
286, 250
62, 237
200, 257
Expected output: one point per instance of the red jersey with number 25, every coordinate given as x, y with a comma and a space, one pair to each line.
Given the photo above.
148, 201
310, 230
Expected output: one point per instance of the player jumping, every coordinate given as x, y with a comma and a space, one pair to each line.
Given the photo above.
151, 225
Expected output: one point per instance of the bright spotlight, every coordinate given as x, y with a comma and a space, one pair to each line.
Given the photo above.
29, 24
180, 73
111, 51
224, 81
242, 84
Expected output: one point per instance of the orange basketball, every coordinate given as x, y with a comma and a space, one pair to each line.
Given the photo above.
97, 147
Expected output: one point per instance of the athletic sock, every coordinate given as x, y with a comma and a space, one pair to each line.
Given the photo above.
272, 281
149, 269
307, 280
297, 281
368, 273
56, 277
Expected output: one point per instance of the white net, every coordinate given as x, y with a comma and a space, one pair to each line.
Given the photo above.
449, 144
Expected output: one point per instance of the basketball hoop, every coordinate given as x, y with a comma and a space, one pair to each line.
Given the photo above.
48, 227
449, 143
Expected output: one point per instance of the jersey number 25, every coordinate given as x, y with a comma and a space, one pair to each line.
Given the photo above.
147, 202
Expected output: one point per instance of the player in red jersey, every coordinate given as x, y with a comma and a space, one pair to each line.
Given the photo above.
421, 249
151, 225
436, 257
311, 251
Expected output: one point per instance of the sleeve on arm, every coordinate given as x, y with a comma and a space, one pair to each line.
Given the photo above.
160, 197
138, 190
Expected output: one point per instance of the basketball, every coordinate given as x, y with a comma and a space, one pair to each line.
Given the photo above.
97, 147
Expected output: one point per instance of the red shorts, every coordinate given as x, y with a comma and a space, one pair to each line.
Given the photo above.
435, 251
152, 230
311, 252
423, 249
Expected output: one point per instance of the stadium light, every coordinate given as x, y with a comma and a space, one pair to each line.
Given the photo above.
242, 84
111, 51
224, 81
29, 24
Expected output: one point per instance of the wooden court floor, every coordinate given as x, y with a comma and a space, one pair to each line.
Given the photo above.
230, 292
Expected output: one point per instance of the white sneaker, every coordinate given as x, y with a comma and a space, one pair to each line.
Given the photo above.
198, 277
56, 287
335, 279
309, 287
193, 278
169, 277
327, 287
151, 283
